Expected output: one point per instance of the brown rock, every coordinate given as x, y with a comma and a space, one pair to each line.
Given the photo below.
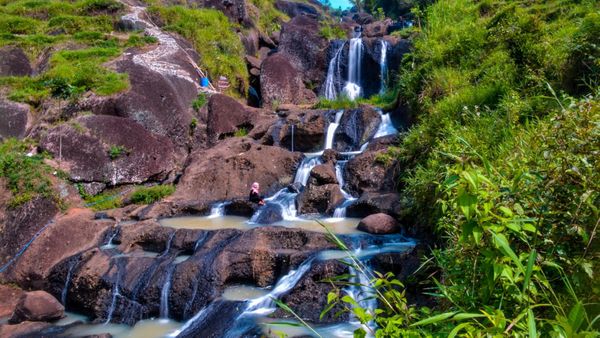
13, 62
377, 29
9, 298
253, 61
301, 39
319, 199
280, 82
22, 329
87, 144
309, 130
37, 306
365, 173
330, 156
324, 174
14, 118
390, 203
235, 164
379, 224
225, 116
293, 8
356, 127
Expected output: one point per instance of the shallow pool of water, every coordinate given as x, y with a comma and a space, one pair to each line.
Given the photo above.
337, 225
149, 328
243, 292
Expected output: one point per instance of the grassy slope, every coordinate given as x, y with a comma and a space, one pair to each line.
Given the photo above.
506, 148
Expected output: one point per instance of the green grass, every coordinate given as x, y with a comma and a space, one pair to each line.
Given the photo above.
241, 132
269, 18
26, 177
84, 25
149, 195
104, 201
214, 38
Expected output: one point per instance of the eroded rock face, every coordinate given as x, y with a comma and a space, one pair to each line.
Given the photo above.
109, 149
235, 164
14, 62
308, 129
379, 224
37, 306
293, 8
23, 329
365, 173
281, 83
377, 28
357, 126
225, 116
371, 203
302, 41
13, 119
319, 199
9, 298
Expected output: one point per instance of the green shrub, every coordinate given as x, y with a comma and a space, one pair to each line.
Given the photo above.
149, 195
199, 102
213, 36
115, 151
269, 17
241, 132
342, 102
331, 31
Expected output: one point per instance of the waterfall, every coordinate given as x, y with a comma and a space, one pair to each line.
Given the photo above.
201, 239
307, 164
115, 294
383, 66
352, 88
385, 127
334, 77
168, 244
65, 290
164, 294
217, 210
331, 130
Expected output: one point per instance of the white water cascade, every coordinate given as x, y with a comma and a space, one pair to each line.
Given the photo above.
352, 89
386, 127
164, 294
217, 210
340, 211
383, 66
334, 79
332, 128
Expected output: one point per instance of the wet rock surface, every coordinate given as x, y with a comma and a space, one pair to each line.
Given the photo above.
367, 173
356, 127
281, 82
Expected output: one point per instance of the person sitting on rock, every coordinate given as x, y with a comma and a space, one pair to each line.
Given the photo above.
255, 194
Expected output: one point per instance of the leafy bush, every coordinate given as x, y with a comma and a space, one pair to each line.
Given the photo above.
241, 132
213, 36
199, 102
332, 31
269, 17
149, 195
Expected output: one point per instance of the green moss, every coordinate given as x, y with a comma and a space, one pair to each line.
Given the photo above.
269, 18
342, 102
213, 36
104, 201
199, 102
149, 195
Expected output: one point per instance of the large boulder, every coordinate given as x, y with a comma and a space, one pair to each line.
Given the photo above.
37, 306
268, 214
14, 62
225, 116
390, 203
296, 8
110, 150
377, 29
379, 224
356, 127
306, 128
14, 118
368, 173
319, 199
301, 39
281, 83
227, 170
24, 329
323, 174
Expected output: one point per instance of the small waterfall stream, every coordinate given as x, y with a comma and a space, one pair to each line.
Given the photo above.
334, 76
383, 66
65, 290
217, 210
332, 128
353, 89
164, 294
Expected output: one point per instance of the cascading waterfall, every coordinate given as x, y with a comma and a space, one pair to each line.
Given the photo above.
65, 290
383, 66
353, 89
285, 198
115, 293
332, 128
334, 77
164, 295
217, 210
340, 211
386, 127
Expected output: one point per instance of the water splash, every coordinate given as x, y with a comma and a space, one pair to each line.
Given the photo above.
306, 166
217, 210
386, 127
330, 136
